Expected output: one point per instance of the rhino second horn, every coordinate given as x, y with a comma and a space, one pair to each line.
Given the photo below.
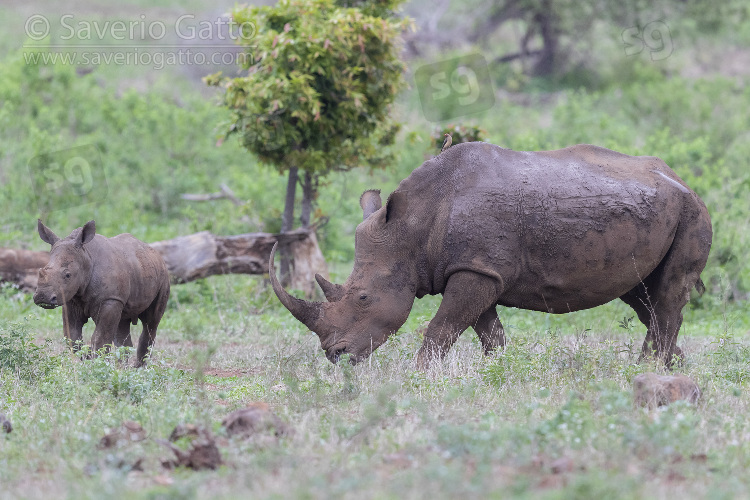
332, 291
306, 312
370, 202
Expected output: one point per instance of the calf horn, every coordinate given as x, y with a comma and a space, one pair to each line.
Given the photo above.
306, 312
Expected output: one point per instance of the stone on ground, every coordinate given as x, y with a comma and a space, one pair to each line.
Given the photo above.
652, 390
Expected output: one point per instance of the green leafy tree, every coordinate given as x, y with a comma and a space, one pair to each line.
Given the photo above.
321, 77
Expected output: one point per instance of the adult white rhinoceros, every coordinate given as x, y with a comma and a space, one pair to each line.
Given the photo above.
554, 231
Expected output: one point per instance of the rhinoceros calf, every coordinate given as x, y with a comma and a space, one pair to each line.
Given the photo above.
554, 231
115, 281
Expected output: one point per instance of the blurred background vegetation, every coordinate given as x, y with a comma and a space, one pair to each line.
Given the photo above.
562, 72
664, 77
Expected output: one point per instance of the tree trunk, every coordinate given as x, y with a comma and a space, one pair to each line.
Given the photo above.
545, 19
287, 222
307, 198
308, 260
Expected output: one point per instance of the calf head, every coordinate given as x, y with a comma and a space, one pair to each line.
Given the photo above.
69, 267
376, 299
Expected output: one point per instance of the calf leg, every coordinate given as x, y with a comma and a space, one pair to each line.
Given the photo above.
490, 330
150, 319
467, 296
73, 321
107, 321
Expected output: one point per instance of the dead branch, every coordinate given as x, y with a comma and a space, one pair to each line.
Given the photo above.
224, 193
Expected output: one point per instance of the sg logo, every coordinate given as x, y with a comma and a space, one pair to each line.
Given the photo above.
455, 87
68, 178
655, 35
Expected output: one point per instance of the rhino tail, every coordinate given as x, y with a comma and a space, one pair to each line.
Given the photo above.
700, 287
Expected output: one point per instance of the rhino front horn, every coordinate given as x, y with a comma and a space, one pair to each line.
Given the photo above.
306, 312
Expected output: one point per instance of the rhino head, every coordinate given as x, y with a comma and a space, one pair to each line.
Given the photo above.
375, 300
69, 267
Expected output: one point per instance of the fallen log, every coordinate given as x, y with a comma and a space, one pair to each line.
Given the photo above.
199, 255
20, 267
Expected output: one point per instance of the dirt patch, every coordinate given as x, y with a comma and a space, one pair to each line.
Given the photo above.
224, 372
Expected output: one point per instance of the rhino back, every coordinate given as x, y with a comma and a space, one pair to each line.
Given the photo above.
128, 270
581, 225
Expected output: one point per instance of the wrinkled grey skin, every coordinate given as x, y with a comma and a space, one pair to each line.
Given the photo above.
115, 281
555, 231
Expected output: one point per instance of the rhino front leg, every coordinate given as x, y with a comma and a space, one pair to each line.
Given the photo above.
468, 297
490, 330
107, 322
73, 320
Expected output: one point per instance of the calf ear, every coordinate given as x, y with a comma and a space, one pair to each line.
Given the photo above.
395, 207
46, 233
87, 233
370, 202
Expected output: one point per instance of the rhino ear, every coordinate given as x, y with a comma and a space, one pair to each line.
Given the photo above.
46, 233
370, 202
87, 233
396, 206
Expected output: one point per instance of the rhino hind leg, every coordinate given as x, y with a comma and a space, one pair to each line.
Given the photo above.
468, 297
658, 300
150, 319
490, 330
661, 313
107, 322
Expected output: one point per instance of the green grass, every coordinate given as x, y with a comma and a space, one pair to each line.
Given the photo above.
559, 394
497, 426
558, 397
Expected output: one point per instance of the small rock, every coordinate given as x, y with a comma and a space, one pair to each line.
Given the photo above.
7, 427
256, 418
561, 465
127, 432
137, 465
652, 390
184, 430
202, 452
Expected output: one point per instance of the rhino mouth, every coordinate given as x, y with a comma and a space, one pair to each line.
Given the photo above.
335, 353
45, 305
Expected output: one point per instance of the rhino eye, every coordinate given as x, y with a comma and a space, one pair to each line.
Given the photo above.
363, 297
67, 275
